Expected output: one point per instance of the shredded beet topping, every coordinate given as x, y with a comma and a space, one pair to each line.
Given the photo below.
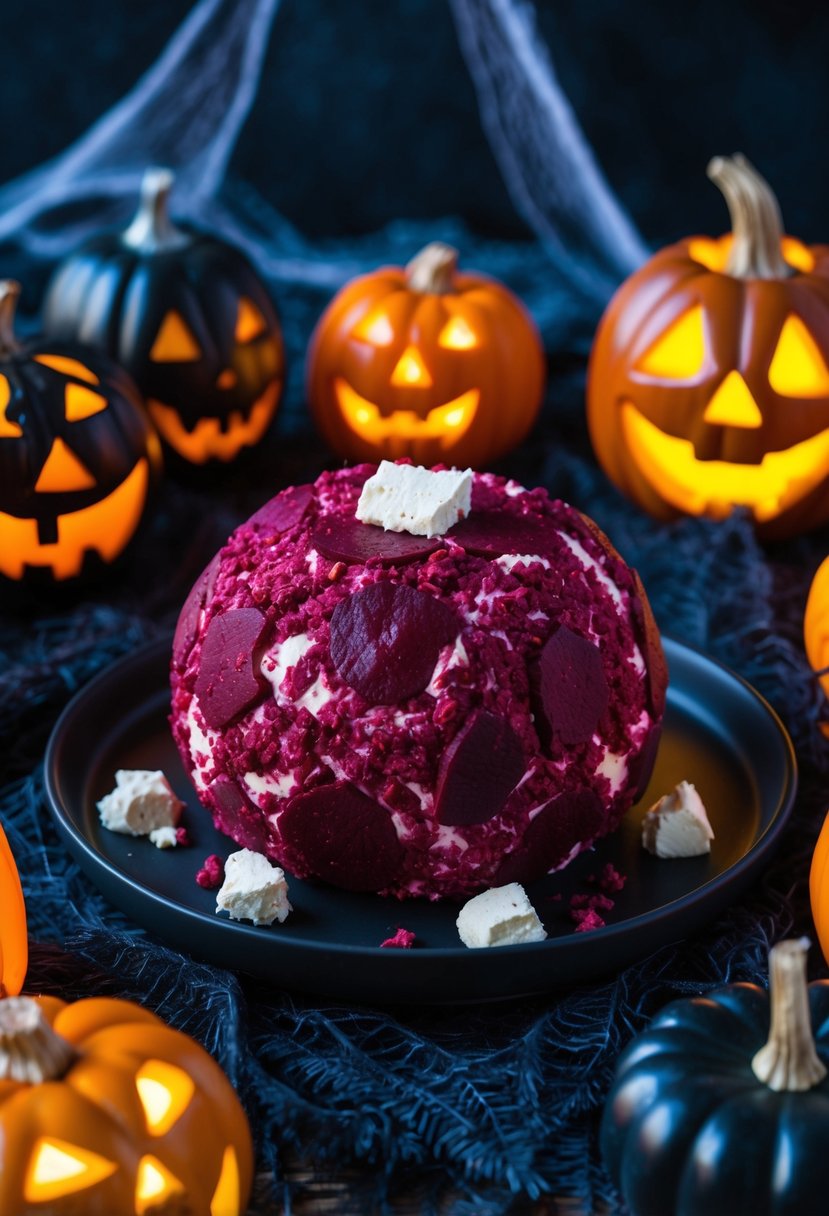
229, 680
345, 538
188, 621
478, 771
651, 644
212, 873
342, 836
385, 640
571, 688
284, 511
491, 533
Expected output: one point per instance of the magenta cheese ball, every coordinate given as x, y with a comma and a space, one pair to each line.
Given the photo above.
417, 716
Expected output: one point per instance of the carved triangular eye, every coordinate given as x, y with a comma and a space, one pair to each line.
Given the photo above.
226, 1198
375, 328
249, 321
174, 343
82, 402
457, 334
678, 353
165, 1092
8, 429
798, 369
57, 1168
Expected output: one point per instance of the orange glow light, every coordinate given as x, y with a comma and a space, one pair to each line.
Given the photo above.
249, 321
155, 1183
733, 404
410, 370
165, 1092
63, 472
174, 342
457, 335
679, 354
226, 1199
207, 439
798, 368
57, 1168
375, 328
67, 367
82, 402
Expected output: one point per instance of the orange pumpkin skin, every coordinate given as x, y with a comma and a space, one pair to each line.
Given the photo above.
14, 955
819, 888
741, 324
96, 1108
447, 369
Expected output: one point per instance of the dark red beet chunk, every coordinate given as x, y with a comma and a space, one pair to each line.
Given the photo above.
343, 837
558, 827
571, 688
229, 680
188, 621
385, 640
478, 771
491, 533
651, 644
284, 511
236, 816
343, 538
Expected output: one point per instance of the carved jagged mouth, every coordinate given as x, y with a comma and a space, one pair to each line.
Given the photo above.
106, 526
713, 487
446, 423
216, 438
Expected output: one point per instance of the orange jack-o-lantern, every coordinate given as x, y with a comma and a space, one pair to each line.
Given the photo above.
708, 385
427, 363
105, 1110
816, 629
78, 456
189, 319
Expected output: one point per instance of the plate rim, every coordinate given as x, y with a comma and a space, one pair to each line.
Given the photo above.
155, 648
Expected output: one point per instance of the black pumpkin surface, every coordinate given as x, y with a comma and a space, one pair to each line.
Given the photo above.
707, 1118
78, 456
189, 319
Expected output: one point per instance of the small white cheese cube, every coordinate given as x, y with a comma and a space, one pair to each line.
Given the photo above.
253, 889
164, 838
502, 916
677, 825
141, 802
409, 498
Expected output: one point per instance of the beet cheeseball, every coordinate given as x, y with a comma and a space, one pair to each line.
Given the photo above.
411, 715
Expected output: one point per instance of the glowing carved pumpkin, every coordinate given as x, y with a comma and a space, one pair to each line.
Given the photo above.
104, 1110
425, 362
78, 456
708, 385
190, 320
816, 630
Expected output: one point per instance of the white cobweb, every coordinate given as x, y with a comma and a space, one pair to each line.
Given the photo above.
187, 110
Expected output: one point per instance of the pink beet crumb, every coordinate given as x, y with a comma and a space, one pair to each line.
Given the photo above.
587, 919
212, 872
402, 939
601, 903
611, 879
182, 838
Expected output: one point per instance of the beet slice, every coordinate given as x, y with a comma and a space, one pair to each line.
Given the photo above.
343, 538
229, 680
641, 767
284, 511
236, 816
560, 825
385, 640
343, 837
571, 688
188, 621
491, 533
478, 771
650, 641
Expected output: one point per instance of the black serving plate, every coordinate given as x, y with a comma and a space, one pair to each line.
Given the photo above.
719, 733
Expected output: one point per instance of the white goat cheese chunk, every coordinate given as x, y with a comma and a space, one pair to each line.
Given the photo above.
502, 916
409, 498
164, 838
677, 825
253, 889
141, 802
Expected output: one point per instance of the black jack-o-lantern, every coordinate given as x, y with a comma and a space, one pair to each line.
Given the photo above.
78, 456
189, 319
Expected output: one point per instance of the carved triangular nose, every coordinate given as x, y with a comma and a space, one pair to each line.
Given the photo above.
63, 472
411, 370
733, 404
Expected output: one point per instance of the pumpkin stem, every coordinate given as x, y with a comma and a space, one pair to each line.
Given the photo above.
9, 295
30, 1050
789, 1061
755, 220
152, 230
433, 269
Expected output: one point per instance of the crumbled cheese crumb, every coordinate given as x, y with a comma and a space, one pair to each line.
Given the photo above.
253, 889
141, 802
677, 825
409, 498
502, 916
165, 838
